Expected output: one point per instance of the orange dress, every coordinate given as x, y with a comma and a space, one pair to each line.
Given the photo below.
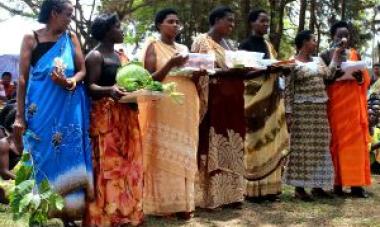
118, 165
170, 140
347, 112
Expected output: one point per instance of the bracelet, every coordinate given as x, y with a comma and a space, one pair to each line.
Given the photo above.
73, 86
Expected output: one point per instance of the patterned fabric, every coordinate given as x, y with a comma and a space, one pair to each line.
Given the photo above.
57, 136
309, 163
118, 165
267, 137
347, 111
220, 152
170, 139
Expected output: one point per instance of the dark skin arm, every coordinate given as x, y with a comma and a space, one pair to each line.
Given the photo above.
25, 57
94, 68
79, 60
151, 60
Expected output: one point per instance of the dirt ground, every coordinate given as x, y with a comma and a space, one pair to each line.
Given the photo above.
287, 212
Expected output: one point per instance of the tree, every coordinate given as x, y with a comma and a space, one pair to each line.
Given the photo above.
277, 12
83, 14
302, 16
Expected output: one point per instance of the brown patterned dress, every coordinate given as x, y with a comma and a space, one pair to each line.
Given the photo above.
309, 164
221, 148
267, 136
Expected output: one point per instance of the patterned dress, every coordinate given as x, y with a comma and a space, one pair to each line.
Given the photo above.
170, 139
117, 161
220, 153
267, 137
309, 163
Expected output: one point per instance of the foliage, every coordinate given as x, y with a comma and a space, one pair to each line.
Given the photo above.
28, 197
138, 15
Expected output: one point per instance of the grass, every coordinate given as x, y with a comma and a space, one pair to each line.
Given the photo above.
287, 212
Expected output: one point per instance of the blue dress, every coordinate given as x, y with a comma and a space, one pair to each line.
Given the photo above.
57, 135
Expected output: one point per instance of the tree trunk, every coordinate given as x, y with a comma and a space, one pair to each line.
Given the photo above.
343, 15
301, 20
246, 6
319, 33
277, 11
312, 21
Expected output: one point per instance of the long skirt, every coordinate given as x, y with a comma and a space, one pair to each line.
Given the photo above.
309, 164
267, 136
118, 165
221, 146
170, 140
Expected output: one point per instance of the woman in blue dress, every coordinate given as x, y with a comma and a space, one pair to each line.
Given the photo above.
52, 108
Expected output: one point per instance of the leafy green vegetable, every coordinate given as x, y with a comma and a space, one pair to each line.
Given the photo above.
133, 77
155, 86
28, 197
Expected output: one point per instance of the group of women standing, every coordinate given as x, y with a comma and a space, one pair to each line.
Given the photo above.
327, 118
158, 157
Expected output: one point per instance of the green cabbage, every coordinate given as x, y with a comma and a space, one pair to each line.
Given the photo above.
134, 76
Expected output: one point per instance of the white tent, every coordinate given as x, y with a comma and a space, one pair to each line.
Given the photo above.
13, 30
9, 63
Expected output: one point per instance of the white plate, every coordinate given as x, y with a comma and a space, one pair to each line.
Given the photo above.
142, 96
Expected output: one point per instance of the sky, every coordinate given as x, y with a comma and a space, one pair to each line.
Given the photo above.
13, 30
13, 27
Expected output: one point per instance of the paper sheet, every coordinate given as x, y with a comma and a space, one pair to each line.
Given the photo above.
349, 67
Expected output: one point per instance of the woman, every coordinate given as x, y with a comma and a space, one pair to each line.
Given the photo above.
349, 126
309, 163
52, 109
9, 156
266, 136
220, 154
170, 131
115, 134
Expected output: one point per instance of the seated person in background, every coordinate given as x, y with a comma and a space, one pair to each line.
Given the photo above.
8, 152
122, 56
9, 155
8, 89
375, 73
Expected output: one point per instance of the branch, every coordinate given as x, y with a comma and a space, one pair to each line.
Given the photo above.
16, 11
34, 6
92, 10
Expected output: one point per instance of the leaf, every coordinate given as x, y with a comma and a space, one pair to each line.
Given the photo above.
38, 218
24, 173
44, 186
15, 203
35, 202
25, 201
46, 195
24, 187
45, 206
58, 201
25, 157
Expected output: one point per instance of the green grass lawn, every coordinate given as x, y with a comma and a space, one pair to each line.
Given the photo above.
287, 212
